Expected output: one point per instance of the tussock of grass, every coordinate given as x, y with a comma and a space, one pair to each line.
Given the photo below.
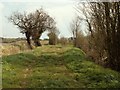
56, 67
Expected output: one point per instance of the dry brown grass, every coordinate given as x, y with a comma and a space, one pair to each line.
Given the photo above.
16, 47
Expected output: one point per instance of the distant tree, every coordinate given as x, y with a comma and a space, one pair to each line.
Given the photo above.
33, 24
75, 30
53, 36
64, 41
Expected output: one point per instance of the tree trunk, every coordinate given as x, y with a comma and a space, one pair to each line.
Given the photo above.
35, 38
37, 42
118, 37
28, 40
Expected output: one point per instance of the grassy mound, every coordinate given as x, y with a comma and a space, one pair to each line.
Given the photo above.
88, 73
56, 67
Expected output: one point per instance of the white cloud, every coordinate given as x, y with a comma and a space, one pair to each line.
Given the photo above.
61, 12
37, 1
58, 12
63, 16
1, 8
1, 5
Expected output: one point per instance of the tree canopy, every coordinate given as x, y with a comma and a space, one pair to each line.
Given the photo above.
33, 24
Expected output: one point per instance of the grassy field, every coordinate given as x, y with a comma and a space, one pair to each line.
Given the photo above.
55, 67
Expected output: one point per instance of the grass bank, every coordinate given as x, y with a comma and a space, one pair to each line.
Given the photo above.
56, 67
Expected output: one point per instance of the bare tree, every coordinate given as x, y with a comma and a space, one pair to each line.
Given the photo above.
44, 22
33, 24
75, 29
105, 29
112, 24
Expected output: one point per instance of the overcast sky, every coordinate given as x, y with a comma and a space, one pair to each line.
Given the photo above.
62, 10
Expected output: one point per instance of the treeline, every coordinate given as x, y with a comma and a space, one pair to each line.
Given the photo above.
103, 34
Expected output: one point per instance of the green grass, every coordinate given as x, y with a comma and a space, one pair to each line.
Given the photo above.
56, 67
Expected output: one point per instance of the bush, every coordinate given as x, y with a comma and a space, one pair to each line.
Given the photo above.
63, 41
